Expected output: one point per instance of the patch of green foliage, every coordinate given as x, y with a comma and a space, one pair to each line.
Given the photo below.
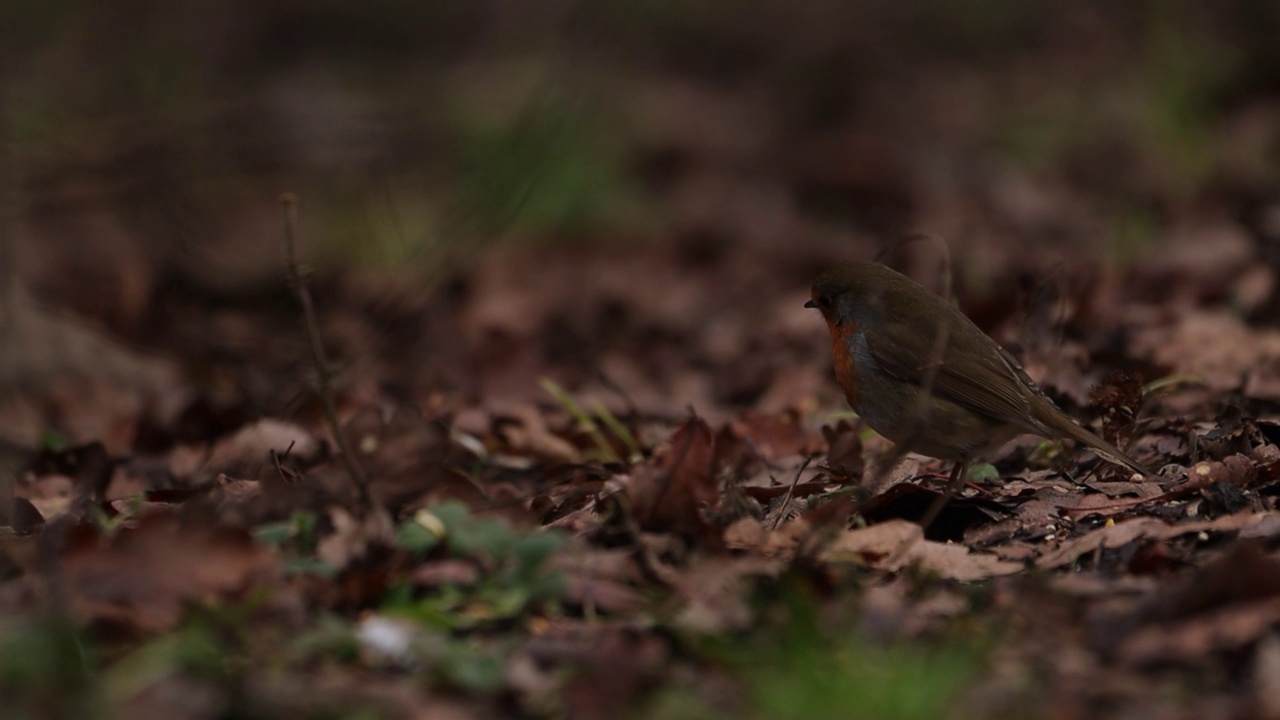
812, 667
448, 633
46, 671
297, 540
595, 423
552, 168
513, 575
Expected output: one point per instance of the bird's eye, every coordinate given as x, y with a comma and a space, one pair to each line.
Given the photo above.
822, 302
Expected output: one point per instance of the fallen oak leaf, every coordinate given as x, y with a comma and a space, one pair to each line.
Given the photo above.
952, 561
1192, 640
1111, 537
1093, 504
143, 576
672, 493
875, 544
898, 544
1108, 537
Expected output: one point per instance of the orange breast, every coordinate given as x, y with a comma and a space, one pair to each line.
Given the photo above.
842, 359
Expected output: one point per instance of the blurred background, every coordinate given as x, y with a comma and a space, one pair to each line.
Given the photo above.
624, 196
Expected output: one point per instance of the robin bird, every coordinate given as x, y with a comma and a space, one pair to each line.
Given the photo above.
924, 376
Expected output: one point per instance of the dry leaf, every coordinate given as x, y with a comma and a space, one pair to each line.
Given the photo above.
897, 544
671, 494
143, 576
1121, 534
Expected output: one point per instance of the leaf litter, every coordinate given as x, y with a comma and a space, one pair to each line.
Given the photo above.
617, 480
667, 532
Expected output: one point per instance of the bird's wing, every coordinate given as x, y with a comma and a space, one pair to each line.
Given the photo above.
970, 370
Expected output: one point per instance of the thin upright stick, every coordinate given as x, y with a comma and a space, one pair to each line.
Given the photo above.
323, 372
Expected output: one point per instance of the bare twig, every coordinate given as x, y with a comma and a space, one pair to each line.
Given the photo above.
786, 499
286, 473
324, 375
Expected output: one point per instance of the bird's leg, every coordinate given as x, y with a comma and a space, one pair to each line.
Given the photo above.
953, 484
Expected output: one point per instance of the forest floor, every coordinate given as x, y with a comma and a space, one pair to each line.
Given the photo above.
678, 523
604, 470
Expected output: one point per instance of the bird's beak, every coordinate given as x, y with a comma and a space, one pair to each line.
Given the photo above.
810, 304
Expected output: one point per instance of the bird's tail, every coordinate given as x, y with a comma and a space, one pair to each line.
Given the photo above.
1103, 448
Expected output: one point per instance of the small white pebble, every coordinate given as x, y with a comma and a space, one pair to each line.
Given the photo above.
385, 637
